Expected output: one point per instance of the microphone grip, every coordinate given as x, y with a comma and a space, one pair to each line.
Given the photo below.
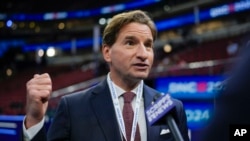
174, 128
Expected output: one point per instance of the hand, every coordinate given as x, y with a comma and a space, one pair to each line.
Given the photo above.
39, 89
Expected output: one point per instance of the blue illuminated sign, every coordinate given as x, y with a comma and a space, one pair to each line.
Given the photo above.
175, 22
203, 15
198, 114
229, 8
80, 43
7, 131
166, 24
78, 14
189, 87
11, 127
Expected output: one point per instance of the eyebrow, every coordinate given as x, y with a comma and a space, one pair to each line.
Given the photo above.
129, 37
133, 37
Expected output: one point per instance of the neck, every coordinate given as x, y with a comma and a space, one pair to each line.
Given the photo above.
125, 83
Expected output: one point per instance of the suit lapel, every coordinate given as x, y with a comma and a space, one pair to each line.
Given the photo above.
103, 108
153, 132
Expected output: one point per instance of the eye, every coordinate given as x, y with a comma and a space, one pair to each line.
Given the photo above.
148, 45
129, 42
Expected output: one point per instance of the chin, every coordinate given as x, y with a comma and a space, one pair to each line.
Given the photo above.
141, 76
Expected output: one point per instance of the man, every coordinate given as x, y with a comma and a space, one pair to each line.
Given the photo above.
91, 115
232, 103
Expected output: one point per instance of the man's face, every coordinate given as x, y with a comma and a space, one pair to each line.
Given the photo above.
131, 56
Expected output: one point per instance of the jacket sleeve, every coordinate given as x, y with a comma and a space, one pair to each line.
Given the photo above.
36, 132
60, 125
40, 136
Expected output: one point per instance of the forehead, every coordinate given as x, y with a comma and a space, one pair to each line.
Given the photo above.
136, 29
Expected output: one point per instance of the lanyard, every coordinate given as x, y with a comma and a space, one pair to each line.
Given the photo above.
118, 111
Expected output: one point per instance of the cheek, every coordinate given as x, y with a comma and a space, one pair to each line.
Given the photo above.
118, 53
151, 58
117, 56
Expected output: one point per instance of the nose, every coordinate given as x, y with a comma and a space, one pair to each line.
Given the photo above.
142, 52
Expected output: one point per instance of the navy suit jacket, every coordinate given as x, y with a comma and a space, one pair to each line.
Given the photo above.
89, 116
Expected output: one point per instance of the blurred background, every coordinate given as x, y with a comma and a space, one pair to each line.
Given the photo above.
198, 44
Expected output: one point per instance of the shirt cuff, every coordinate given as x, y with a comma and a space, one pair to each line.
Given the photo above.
33, 130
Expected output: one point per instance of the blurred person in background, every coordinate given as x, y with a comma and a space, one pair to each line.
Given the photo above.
233, 102
90, 115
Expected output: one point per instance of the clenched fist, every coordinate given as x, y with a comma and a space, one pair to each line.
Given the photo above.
39, 89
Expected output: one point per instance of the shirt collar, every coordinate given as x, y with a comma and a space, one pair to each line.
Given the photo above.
119, 90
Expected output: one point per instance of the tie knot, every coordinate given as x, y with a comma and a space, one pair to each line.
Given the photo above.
128, 97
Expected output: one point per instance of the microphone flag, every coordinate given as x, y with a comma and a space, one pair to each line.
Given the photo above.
159, 109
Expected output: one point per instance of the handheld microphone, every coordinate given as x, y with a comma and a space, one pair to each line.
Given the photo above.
160, 113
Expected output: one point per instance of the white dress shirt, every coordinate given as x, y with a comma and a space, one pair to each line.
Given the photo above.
29, 134
142, 119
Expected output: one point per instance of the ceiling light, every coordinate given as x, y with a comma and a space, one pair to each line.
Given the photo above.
167, 48
102, 21
9, 23
61, 25
51, 52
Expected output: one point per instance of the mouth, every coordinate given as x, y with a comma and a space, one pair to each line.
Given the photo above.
141, 66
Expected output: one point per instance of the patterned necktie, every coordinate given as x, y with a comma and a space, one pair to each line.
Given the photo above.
128, 115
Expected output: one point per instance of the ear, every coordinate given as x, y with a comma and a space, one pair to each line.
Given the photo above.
106, 51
